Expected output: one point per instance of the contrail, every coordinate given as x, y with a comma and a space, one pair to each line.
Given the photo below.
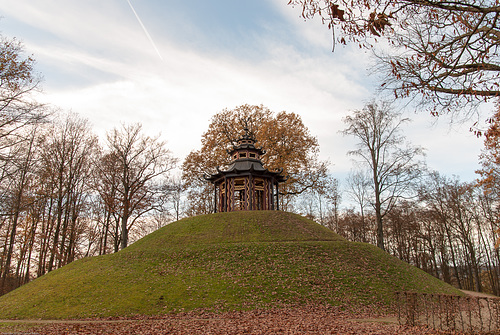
144, 28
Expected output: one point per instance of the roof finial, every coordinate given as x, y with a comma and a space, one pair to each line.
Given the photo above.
247, 131
246, 126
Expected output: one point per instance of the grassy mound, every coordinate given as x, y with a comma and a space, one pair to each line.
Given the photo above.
235, 261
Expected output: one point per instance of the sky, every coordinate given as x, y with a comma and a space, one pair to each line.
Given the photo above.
171, 65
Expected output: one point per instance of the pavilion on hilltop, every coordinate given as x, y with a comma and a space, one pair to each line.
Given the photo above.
246, 184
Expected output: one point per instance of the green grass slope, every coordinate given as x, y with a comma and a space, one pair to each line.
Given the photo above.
234, 261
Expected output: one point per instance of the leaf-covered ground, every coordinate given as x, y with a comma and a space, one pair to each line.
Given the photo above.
299, 320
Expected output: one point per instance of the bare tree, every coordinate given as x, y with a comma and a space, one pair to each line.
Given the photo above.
355, 227
170, 204
358, 184
68, 148
463, 231
174, 189
138, 160
200, 199
106, 183
22, 167
391, 161
331, 191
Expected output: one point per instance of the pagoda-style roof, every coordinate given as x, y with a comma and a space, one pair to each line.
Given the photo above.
246, 142
245, 167
246, 161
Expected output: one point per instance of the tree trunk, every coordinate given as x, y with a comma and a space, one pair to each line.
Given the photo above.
124, 223
378, 218
124, 240
8, 256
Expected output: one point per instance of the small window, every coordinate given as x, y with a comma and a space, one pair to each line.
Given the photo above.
252, 155
259, 184
243, 155
239, 183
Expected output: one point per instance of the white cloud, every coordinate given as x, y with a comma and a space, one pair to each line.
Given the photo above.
180, 96
109, 73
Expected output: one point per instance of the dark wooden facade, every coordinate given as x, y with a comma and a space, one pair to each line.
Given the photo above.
246, 184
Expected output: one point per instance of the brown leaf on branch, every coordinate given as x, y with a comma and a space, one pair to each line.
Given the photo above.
336, 13
378, 22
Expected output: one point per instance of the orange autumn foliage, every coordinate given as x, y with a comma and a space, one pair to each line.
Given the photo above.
286, 140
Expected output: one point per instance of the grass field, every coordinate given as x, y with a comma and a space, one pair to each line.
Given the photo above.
225, 261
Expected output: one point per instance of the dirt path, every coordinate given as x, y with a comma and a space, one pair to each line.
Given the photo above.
307, 320
477, 294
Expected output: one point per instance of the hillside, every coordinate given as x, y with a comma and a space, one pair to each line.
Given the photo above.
230, 261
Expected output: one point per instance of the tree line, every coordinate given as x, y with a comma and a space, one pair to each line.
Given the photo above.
447, 229
66, 196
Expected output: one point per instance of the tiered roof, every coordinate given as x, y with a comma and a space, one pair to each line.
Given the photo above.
246, 160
